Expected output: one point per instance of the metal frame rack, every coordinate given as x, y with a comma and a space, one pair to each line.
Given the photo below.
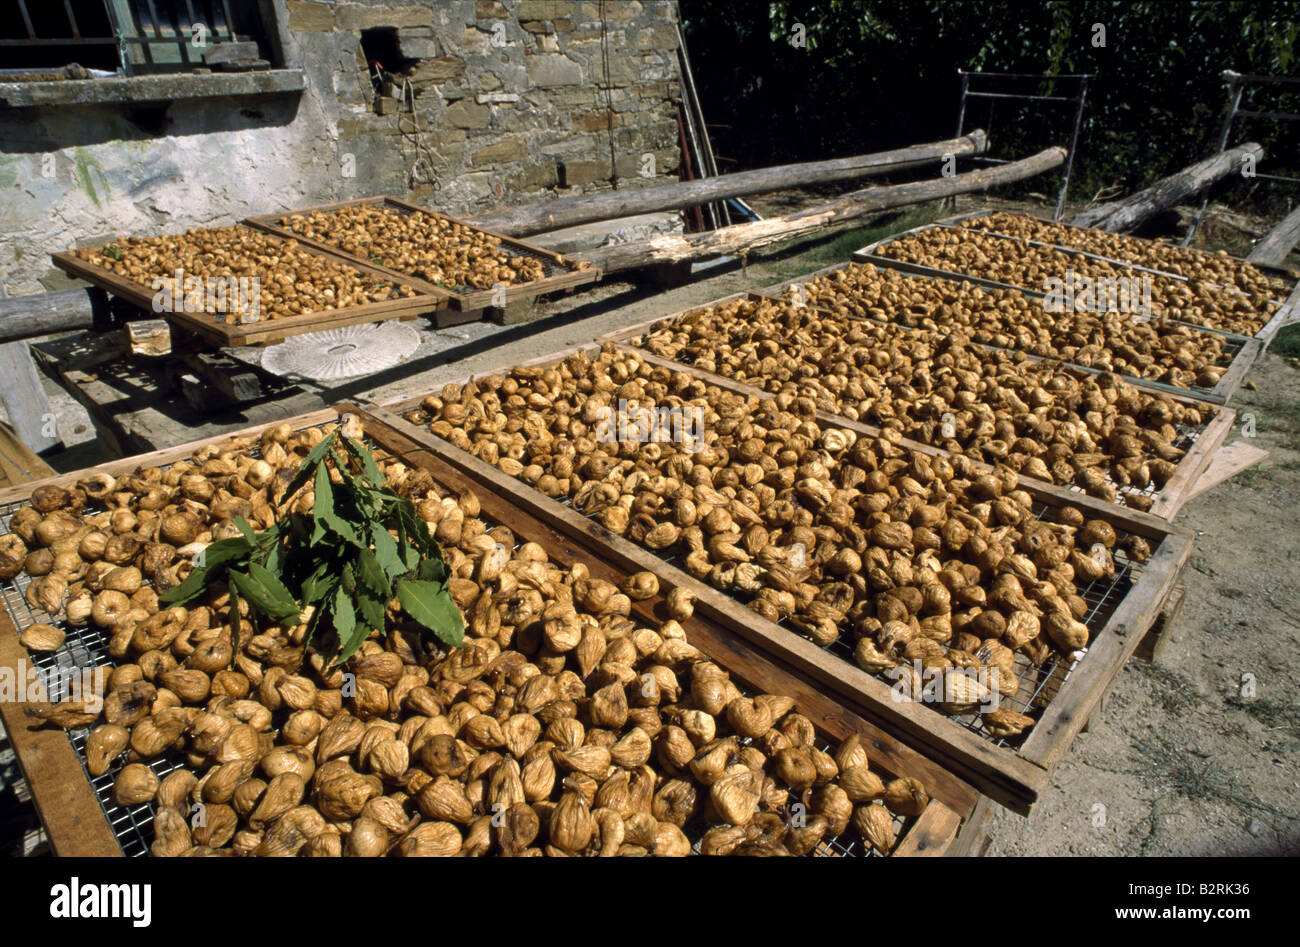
1078, 99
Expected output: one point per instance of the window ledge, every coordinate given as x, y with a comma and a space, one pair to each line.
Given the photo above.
161, 88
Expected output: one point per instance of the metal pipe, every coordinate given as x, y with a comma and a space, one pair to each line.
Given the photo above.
1074, 146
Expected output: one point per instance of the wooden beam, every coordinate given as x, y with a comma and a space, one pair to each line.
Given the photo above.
1275, 246
852, 206
1128, 213
587, 208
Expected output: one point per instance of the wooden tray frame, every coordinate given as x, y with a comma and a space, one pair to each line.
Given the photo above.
870, 254
265, 331
1233, 375
1012, 777
77, 825
463, 300
1167, 501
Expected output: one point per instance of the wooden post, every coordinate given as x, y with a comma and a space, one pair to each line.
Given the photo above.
24, 398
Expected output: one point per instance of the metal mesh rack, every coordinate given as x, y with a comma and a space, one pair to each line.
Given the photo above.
85, 648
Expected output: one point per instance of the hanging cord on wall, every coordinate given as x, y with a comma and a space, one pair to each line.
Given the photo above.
609, 94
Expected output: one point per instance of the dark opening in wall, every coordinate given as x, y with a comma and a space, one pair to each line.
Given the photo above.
380, 45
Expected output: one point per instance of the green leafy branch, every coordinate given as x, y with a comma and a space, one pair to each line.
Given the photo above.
339, 566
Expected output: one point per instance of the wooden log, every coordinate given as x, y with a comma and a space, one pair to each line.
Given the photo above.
1275, 246
743, 237
1128, 213
22, 317
586, 208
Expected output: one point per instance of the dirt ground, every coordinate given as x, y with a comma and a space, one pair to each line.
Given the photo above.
1186, 758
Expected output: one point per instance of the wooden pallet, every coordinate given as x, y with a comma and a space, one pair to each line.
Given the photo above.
78, 825
566, 274
262, 332
1247, 350
1167, 501
1012, 776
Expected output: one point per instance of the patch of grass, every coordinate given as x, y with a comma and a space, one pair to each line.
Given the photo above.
1275, 414
1271, 713
1287, 341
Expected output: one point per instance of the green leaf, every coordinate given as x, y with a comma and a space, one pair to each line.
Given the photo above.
372, 574
372, 610
386, 551
245, 528
308, 464
320, 582
345, 617
430, 604
432, 570
236, 623
248, 589
323, 510
365, 458
194, 583
286, 609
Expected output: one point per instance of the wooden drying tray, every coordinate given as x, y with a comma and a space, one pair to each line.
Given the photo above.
1246, 350
266, 331
1167, 501
78, 825
871, 254
1279, 272
1012, 776
566, 274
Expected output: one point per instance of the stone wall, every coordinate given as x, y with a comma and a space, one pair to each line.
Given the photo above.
509, 101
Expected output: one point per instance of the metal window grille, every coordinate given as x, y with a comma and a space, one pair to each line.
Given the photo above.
136, 36
1038, 79
1237, 85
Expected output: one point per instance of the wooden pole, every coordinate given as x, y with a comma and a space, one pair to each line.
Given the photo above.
1128, 213
1275, 246
743, 237
587, 208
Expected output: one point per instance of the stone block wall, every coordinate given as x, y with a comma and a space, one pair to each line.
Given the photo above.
507, 102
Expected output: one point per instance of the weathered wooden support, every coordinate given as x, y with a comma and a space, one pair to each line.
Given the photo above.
1277, 243
1133, 210
744, 237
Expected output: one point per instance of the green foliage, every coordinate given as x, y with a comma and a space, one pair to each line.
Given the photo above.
877, 75
341, 560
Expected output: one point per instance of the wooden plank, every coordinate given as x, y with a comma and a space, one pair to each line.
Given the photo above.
17, 462
63, 796
1013, 780
934, 833
1070, 709
500, 503
1154, 641
467, 299
25, 399
1227, 462
1191, 465
973, 837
